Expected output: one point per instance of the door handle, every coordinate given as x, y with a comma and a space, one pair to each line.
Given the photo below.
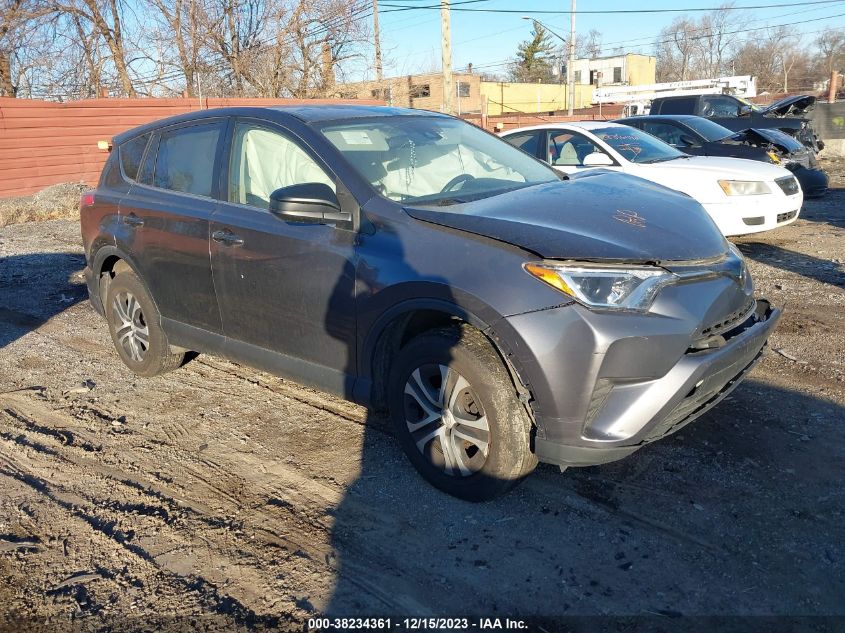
133, 220
227, 238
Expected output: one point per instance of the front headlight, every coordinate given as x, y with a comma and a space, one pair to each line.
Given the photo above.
609, 287
744, 187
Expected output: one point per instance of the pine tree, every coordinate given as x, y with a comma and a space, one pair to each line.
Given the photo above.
534, 58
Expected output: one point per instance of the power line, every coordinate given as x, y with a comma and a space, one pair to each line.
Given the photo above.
695, 37
399, 7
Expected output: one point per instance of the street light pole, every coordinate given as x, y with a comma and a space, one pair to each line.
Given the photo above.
570, 73
570, 67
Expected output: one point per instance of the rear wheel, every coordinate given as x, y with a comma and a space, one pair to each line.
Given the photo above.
457, 415
134, 324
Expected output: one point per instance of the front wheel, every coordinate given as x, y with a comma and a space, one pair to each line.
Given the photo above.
457, 415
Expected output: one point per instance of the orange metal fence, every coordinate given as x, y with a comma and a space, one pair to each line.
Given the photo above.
44, 143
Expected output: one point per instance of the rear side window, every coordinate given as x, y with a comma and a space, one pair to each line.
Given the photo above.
111, 172
185, 159
529, 142
131, 154
678, 106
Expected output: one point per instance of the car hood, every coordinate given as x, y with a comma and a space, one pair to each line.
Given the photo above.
605, 216
794, 105
777, 138
713, 167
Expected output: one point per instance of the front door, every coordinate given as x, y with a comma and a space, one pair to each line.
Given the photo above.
282, 287
567, 150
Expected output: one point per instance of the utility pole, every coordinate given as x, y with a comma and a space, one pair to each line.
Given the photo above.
570, 68
379, 77
446, 48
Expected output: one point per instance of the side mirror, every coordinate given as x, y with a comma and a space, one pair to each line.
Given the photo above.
597, 159
308, 203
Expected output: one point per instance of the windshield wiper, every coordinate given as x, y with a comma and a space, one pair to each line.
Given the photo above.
662, 160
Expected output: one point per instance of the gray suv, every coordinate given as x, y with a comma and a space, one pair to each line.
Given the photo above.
413, 263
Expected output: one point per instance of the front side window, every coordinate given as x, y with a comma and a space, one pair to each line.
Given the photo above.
131, 154
569, 149
637, 146
432, 159
264, 160
720, 106
185, 159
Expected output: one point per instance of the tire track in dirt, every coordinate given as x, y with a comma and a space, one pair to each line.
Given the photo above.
303, 532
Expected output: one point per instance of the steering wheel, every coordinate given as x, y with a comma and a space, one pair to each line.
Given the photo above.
457, 180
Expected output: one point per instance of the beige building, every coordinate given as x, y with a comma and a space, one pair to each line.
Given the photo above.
424, 92
621, 70
472, 95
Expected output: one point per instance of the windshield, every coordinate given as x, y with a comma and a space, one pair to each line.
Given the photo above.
637, 146
436, 160
708, 129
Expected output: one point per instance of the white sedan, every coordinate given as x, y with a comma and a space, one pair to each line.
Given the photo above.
742, 196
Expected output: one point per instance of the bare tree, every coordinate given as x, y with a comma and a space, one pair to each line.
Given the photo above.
698, 49
831, 48
104, 17
589, 46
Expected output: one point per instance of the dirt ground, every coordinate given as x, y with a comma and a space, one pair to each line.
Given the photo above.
218, 497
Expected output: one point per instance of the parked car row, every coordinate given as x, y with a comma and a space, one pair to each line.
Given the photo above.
737, 114
504, 307
741, 196
702, 137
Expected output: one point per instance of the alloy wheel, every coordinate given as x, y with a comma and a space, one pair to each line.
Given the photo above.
132, 333
446, 420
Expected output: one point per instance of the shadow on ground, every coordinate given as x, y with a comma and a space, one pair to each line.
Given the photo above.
737, 514
822, 270
34, 288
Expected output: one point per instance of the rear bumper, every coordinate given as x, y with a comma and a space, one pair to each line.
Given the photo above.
627, 403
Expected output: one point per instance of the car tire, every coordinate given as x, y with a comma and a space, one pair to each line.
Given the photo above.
135, 327
481, 423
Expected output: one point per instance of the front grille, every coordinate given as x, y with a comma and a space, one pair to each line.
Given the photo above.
729, 321
784, 217
789, 185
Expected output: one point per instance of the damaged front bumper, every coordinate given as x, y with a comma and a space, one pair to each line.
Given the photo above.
635, 386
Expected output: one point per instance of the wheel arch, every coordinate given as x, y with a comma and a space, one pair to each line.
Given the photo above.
398, 325
108, 261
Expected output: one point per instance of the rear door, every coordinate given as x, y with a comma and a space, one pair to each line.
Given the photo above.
282, 286
531, 141
165, 221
